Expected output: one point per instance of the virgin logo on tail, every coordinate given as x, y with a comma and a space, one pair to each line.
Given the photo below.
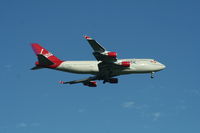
47, 55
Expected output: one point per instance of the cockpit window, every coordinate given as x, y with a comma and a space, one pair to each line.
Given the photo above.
153, 61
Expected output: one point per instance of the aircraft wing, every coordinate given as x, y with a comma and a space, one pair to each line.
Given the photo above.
108, 60
95, 45
87, 80
100, 53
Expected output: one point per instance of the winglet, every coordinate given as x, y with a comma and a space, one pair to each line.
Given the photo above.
88, 38
61, 82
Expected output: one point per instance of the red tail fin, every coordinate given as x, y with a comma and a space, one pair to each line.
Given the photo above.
45, 58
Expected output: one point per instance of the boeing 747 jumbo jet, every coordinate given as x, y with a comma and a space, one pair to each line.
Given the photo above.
105, 68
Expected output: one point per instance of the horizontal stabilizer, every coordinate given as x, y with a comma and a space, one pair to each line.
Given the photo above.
43, 61
36, 68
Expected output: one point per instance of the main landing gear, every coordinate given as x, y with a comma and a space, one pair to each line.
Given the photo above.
111, 80
152, 74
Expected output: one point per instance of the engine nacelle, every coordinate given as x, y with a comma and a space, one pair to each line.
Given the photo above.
113, 80
91, 84
125, 63
112, 54
37, 63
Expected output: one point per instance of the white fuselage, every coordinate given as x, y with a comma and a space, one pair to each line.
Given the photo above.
91, 67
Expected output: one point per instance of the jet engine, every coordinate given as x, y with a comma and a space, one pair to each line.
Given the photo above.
91, 84
125, 63
37, 63
113, 80
112, 54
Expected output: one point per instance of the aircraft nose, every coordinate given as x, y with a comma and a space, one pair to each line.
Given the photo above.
162, 66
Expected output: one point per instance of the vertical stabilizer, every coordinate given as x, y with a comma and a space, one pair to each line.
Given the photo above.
45, 58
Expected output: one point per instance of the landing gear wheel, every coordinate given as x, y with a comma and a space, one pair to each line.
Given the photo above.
152, 75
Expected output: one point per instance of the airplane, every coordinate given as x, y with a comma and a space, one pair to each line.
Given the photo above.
106, 67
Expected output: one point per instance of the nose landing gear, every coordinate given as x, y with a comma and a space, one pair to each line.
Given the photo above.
152, 74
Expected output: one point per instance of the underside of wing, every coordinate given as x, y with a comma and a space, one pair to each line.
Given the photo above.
88, 81
108, 70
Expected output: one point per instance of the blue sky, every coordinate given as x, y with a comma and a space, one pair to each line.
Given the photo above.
34, 102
